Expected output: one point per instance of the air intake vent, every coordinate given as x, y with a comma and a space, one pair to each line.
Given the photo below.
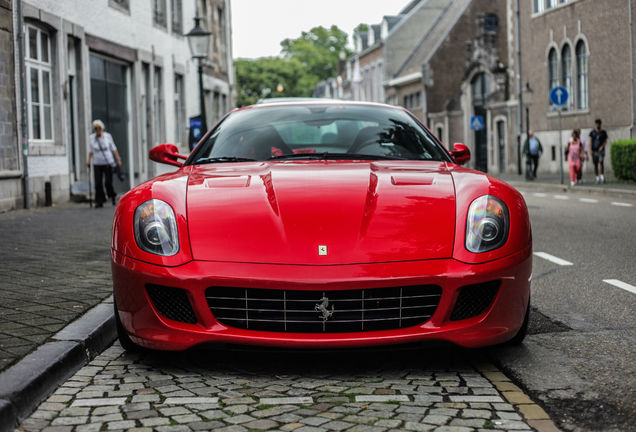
172, 303
474, 299
336, 311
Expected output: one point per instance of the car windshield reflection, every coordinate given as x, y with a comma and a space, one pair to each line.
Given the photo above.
330, 131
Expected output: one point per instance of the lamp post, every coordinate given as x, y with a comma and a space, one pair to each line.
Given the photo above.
199, 41
526, 99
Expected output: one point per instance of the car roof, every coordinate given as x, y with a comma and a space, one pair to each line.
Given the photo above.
283, 99
318, 101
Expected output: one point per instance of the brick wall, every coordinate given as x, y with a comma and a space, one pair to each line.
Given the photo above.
604, 25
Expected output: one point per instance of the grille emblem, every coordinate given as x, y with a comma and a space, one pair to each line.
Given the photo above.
322, 307
322, 250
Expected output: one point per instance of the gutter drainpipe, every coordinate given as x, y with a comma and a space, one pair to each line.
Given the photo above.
23, 107
631, 66
519, 104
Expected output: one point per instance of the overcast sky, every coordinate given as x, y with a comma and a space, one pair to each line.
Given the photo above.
259, 26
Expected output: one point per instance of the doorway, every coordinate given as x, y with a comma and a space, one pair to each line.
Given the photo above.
109, 104
480, 89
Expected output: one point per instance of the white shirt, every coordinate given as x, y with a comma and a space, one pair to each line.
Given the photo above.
102, 149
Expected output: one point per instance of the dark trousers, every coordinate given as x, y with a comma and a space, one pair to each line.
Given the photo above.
534, 161
102, 171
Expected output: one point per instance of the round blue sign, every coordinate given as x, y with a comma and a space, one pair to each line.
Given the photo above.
559, 95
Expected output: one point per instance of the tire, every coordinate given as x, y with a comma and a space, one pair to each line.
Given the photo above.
124, 340
523, 331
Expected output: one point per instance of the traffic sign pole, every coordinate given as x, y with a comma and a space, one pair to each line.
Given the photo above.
559, 97
560, 147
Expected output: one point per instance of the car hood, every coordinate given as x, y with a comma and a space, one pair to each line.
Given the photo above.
321, 212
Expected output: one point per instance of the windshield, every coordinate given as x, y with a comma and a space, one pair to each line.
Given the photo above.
318, 132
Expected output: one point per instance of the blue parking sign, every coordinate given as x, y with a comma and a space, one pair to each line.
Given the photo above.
196, 126
559, 95
477, 123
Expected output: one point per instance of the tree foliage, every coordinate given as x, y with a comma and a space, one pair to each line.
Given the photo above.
307, 60
261, 78
361, 28
318, 50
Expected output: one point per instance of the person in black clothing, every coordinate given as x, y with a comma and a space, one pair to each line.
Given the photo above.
532, 148
598, 138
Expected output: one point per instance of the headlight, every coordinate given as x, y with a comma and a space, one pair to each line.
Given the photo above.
156, 228
487, 224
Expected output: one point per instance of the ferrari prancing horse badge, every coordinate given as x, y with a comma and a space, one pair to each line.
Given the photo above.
322, 250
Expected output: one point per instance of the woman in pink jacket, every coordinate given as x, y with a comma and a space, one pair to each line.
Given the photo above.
575, 152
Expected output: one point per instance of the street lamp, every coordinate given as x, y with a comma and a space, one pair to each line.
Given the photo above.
526, 100
199, 41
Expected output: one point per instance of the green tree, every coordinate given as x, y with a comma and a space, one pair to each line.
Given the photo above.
318, 50
260, 78
311, 58
361, 28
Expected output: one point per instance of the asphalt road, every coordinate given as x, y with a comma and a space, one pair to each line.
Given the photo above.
581, 360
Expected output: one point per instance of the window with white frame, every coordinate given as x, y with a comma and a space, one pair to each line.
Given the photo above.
177, 16
157, 96
39, 76
220, 19
178, 109
159, 12
123, 5
541, 5
581, 76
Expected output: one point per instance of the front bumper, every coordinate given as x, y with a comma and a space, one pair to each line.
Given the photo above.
146, 327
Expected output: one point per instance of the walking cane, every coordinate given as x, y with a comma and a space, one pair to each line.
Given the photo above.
90, 188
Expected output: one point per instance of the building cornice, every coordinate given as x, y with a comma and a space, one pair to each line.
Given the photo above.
403, 80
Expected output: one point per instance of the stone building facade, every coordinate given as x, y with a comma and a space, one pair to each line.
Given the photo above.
583, 45
10, 174
125, 62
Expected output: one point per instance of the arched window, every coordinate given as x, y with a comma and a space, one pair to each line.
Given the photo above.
581, 76
566, 73
481, 88
553, 77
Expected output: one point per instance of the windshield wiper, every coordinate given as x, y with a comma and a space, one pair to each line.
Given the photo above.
327, 155
224, 159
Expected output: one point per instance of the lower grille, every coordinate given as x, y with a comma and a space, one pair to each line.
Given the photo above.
474, 299
338, 311
173, 303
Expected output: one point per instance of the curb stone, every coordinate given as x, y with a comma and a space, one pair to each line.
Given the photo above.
533, 414
29, 382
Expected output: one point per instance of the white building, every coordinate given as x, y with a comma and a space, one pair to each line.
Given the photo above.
125, 62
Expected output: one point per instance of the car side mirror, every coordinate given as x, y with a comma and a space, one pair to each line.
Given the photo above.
167, 154
460, 153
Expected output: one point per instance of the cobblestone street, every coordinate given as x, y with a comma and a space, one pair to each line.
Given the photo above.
441, 389
55, 266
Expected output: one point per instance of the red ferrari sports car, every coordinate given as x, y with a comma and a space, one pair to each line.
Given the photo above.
320, 224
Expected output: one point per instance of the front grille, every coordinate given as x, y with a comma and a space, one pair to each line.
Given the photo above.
345, 310
474, 299
172, 303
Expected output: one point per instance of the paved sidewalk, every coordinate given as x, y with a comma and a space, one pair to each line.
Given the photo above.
441, 389
553, 181
55, 267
